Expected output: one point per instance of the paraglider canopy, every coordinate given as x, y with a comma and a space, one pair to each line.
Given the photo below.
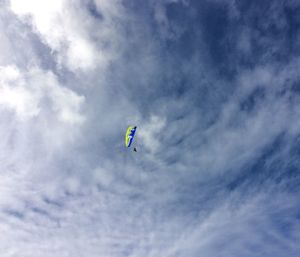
129, 136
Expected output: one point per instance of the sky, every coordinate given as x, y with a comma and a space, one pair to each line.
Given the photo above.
213, 87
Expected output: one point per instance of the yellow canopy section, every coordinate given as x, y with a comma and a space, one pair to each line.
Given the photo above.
127, 137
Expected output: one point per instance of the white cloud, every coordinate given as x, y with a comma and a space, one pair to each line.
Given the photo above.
15, 95
69, 187
24, 93
64, 28
45, 17
150, 131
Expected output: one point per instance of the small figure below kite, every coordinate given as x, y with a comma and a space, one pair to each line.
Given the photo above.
129, 137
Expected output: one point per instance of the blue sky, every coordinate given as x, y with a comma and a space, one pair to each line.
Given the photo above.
213, 87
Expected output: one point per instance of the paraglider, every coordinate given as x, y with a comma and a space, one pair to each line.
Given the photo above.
129, 136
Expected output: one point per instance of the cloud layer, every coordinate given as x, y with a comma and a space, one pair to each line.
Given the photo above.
213, 88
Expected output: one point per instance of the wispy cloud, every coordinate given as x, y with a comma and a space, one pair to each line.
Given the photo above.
211, 86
